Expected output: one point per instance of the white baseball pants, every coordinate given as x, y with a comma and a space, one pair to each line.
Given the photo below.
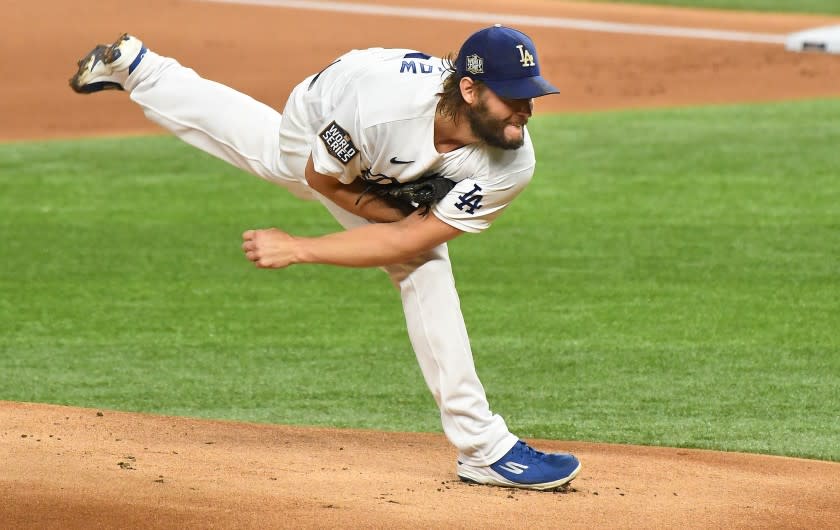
254, 137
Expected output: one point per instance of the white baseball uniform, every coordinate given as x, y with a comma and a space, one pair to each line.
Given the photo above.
368, 115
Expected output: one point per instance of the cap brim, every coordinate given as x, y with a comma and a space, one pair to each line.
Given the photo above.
524, 88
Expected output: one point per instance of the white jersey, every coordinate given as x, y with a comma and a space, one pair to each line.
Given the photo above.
372, 115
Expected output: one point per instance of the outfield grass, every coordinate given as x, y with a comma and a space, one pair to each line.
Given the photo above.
670, 277
791, 6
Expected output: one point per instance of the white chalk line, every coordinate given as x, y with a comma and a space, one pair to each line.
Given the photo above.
516, 20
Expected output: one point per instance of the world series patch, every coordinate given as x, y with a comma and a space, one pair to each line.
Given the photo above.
339, 143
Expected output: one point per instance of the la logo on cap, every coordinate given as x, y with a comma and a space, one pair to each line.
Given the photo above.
526, 58
505, 60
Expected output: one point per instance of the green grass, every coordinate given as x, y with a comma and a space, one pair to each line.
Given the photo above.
791, 6
669, 278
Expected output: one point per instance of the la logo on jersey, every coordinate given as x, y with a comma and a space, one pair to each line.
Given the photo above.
525, 56
470, 201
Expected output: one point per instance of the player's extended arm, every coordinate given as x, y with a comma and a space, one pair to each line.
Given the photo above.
372, 245
371, 206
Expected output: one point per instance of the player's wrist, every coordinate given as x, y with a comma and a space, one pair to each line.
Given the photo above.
302, 250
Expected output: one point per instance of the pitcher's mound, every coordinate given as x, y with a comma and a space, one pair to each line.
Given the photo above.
80, 468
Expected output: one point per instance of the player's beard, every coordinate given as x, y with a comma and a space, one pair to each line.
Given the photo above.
489, 129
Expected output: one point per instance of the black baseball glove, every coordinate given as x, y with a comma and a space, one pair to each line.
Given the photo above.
421, 193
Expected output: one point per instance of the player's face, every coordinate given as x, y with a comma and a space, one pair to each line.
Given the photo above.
499, 121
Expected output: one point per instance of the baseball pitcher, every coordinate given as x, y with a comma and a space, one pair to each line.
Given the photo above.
407, 152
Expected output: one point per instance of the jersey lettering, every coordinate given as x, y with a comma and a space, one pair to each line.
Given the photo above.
338, 143
470, 200
411, 66
408, 66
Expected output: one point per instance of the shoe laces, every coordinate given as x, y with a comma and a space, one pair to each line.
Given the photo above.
528, 451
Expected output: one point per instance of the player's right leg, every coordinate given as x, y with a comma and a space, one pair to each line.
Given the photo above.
488, 453
208, 115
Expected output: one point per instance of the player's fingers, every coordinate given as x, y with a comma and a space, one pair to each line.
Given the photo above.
249, 234
249, 244
252, 255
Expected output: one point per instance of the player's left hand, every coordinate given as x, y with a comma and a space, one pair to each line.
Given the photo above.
269, 249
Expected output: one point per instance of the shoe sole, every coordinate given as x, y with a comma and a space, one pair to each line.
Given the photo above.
544, 486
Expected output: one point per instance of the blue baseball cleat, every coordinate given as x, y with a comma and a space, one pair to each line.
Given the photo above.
524, 467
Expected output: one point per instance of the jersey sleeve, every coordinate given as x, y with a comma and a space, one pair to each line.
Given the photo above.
337, 150
473, 204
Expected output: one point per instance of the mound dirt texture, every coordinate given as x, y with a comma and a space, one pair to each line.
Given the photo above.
80, 468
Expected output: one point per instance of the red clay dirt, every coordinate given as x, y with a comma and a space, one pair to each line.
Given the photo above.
79, 468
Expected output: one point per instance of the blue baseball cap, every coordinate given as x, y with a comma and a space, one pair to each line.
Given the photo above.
505, 60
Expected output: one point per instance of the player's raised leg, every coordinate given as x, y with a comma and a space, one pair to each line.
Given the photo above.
208, 115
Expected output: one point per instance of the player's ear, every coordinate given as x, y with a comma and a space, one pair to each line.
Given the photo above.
469, 90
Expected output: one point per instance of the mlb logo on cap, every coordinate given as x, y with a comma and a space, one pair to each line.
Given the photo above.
505, 60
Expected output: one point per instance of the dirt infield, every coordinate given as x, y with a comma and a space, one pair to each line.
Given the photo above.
79, 468
70, 467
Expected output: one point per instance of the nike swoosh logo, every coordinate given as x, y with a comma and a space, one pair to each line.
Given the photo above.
395, 161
